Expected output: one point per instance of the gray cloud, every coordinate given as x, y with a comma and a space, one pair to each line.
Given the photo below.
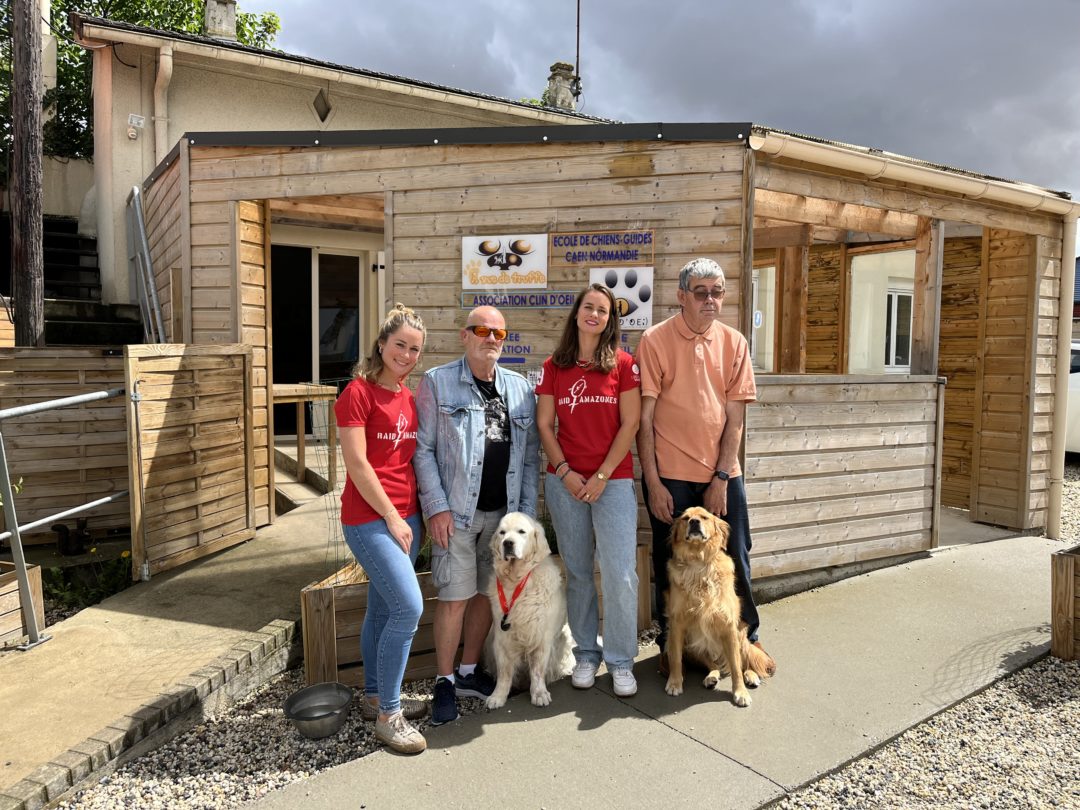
991, 86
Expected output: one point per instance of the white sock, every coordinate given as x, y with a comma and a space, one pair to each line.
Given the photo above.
449, 677
465, 670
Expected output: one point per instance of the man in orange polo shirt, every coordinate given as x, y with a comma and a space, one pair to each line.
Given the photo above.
696, 378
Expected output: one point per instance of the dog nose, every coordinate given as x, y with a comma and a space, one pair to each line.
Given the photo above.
695, 525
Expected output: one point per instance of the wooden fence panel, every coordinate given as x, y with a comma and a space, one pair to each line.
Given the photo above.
841, 469
70, 456
191, 452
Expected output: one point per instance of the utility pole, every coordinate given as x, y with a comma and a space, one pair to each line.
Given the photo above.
27, 260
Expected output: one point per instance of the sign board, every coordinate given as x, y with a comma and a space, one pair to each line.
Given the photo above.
507, 262
603, 247
542, 299
633, 291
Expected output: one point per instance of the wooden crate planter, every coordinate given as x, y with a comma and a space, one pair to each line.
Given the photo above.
12, 619
333, 614
1065, 603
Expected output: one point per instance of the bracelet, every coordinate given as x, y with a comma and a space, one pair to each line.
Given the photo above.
393, 511
568, 471
560, 465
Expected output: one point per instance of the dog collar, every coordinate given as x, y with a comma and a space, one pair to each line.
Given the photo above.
505, 623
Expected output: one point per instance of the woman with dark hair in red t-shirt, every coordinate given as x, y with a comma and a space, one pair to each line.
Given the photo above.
380, 516
591, 389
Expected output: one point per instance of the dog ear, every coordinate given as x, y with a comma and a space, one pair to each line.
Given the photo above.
724, 530
541, 547
678, 527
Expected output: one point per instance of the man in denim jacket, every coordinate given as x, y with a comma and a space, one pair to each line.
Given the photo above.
477, 458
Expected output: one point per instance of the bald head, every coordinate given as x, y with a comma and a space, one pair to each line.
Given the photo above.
482, 352
485, 316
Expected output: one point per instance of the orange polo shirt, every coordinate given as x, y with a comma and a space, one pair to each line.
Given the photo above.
692, 377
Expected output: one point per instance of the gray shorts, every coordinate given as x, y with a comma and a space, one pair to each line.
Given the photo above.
464, 568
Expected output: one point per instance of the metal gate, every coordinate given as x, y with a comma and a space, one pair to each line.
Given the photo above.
190, 442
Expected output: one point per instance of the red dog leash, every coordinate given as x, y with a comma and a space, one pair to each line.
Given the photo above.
505, 623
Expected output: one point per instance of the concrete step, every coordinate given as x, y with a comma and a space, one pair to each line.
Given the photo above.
289, 494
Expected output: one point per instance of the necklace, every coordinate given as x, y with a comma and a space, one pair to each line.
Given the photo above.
584, 363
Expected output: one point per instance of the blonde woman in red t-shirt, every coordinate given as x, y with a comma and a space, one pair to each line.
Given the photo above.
587, 412
380, 516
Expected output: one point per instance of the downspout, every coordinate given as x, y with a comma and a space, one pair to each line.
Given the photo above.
1061, 382
161, 102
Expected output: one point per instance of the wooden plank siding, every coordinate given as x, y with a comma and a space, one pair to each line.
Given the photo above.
957, 363
7, 325
69, 456
162, 212
1003, 384
1047, 254
840, 470
826, 325
253, 328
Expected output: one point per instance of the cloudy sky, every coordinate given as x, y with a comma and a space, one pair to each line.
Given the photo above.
987, 85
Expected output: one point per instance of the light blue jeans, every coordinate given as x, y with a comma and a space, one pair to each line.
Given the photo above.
394, 606
606, 530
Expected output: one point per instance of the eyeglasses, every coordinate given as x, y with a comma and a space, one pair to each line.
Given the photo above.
705, 295
484, 331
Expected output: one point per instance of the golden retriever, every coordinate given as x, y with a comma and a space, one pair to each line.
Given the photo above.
703, 608
529, 632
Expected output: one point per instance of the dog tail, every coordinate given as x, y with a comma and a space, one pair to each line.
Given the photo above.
758, 660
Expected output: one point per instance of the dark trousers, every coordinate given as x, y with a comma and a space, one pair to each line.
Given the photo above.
691, 493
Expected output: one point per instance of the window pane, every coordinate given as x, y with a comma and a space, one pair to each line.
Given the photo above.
903, 330
890, 305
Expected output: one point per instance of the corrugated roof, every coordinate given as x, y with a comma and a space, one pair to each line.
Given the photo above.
77, 19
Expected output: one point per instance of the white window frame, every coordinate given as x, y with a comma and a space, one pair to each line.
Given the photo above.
892, 299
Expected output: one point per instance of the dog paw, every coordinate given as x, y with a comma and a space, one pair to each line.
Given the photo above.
496, 701
541, 698
741, 699
751, 679
673, 688
711, 680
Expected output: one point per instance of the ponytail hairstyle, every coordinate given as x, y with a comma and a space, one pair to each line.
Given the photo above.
566, 353
371, 366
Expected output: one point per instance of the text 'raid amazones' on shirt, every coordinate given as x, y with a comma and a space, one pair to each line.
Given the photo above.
389, 422
587, 411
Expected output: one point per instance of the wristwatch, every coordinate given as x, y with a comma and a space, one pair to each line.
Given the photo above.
601, 476
723, 476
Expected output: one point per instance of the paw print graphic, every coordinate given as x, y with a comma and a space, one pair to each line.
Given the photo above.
629, 295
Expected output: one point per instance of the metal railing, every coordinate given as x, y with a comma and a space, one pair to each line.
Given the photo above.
143, 269
8, 496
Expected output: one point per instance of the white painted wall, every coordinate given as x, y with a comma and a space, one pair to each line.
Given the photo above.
215, 96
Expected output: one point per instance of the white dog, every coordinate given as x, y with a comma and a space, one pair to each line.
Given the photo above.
528, 604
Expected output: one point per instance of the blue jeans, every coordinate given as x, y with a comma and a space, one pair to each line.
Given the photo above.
394, 606
691, 493
606, 529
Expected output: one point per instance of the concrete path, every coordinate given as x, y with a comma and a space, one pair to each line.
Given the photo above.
860, 661
110, 660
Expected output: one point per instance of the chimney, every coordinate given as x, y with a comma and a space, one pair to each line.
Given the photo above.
220, 19
559, 93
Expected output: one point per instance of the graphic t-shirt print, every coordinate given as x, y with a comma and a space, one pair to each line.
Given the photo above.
496, 420
578, 394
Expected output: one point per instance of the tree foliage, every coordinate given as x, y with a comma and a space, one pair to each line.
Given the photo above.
69, 132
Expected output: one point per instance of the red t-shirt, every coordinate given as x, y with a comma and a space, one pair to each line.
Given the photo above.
587, 411
389, 422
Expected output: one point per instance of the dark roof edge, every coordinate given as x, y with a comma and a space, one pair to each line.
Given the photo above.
76, 19
452, 136
910, 160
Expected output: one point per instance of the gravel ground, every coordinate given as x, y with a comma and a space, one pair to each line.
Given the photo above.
1014, 745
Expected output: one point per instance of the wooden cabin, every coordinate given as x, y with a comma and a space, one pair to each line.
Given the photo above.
905, 318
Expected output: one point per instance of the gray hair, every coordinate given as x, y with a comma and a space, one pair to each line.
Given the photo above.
699, 268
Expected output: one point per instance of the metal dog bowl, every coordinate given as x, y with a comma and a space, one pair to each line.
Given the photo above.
319, 710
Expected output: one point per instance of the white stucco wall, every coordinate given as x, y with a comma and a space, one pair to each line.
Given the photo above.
220, 96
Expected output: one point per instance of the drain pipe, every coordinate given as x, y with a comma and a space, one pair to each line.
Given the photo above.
1061, 382
161, 102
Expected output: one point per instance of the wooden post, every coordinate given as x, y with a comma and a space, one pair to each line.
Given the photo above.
27, 260
926, 308
1063, 610
793, 267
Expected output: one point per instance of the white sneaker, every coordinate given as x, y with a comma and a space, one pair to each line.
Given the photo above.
625, 682
584, 674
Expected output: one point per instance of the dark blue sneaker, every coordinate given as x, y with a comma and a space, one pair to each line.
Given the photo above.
477, 685
443, 703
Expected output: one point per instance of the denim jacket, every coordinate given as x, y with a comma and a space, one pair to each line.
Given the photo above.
449, 457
